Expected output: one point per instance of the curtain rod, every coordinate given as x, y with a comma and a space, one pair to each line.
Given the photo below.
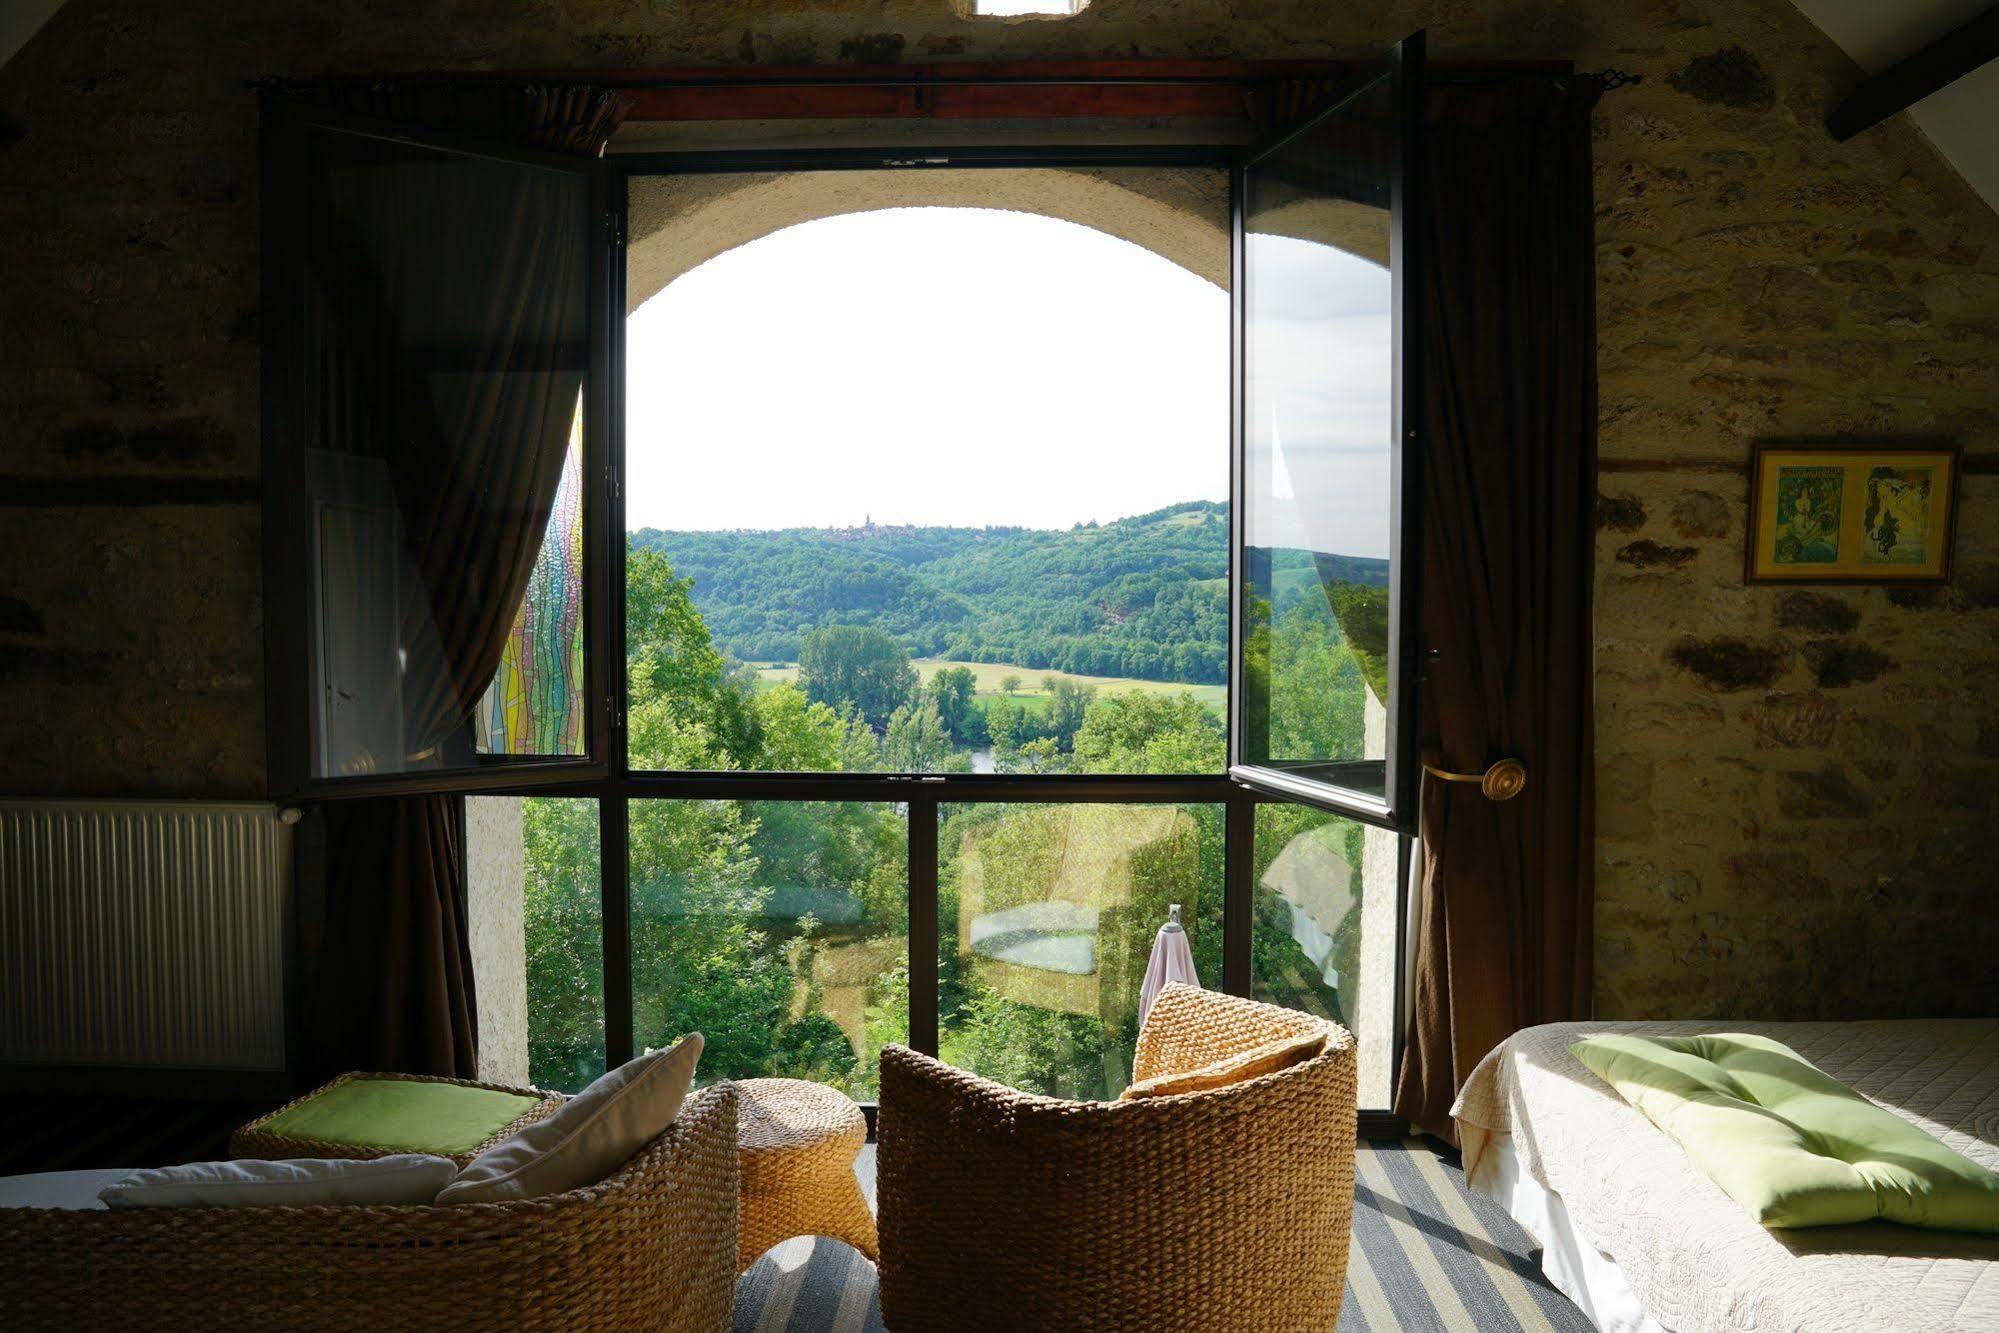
722, 78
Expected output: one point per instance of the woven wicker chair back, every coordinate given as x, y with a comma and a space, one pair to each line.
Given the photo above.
654, 1246
1222, 1210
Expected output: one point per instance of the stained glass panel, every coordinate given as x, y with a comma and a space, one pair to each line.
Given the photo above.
535, 703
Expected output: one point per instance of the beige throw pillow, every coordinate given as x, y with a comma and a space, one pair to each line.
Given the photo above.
1267, 1059
590, 1137
402, 1178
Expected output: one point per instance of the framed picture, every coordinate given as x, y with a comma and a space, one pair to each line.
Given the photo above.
1824, 514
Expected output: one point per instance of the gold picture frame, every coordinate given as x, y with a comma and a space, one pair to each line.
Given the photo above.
1826, 514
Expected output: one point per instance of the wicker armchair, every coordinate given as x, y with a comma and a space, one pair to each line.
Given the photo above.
1220, 1210
653, 1247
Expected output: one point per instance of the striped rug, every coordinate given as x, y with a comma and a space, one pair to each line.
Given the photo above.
1428, 1254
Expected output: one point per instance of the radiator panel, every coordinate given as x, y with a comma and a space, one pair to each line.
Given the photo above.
139, 933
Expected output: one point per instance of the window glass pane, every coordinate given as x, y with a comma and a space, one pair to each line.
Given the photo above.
1001, 8
779, 930
1319, 449
925, 554
535, 704
1325, 928
1047, 916
537, 925
442, 346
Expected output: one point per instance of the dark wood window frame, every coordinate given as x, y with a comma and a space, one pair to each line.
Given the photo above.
1252, 93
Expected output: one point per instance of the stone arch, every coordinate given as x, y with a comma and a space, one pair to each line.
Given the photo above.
1357, 228
678, 222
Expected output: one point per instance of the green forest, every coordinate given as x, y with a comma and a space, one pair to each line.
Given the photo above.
779, 930
1143, 597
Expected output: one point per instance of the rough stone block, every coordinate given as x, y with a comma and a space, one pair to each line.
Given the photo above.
1795, 721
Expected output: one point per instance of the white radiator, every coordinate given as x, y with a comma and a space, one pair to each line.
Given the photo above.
143, 933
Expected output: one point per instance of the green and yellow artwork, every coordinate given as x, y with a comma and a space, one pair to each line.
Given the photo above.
1838, 514
535, 704
1896, 523
1808, 502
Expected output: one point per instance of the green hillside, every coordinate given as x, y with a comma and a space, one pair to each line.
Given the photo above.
1143, 597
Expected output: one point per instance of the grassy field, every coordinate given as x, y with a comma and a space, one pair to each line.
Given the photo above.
990, 675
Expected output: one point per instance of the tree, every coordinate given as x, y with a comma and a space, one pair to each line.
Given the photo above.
778, 928
857, 665
1362, 611
1008, 725
705, 955
1068, 703
686, 710
1317, 691
951, 689
1150, 733
917, 742
563, 923
1036, 756
798, 736
1116, 599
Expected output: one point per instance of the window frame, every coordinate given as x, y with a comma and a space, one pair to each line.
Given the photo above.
290, 710
1396, 807
605, 774
924, 793
921, 793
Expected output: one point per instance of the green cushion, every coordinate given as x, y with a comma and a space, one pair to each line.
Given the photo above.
414, 1116
1794, 1147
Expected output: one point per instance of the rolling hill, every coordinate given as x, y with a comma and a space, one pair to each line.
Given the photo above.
1143, 597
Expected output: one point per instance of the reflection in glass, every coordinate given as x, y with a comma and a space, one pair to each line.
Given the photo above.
1325, 922
779, 930
1319, 447
441, 356
1047, 915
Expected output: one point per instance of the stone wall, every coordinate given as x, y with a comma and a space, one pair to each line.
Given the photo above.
496, 877
1796, 787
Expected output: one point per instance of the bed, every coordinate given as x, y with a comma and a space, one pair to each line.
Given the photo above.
1634, 1233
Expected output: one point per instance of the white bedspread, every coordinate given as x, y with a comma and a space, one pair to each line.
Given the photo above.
1692, 1255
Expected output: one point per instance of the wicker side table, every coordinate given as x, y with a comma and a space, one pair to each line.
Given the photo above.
261, 1138
798, 1142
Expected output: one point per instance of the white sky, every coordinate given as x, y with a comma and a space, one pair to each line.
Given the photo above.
926, 365
970, 366
1319, 352
1021, 7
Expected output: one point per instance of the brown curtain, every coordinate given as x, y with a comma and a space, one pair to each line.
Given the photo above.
1503, 936
388, 950
475, 441
462, 381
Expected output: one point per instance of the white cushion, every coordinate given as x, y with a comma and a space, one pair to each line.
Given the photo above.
403, 1178
589, 1137
58, 1189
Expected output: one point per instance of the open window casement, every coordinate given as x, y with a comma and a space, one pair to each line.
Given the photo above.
1327, 372
434, 460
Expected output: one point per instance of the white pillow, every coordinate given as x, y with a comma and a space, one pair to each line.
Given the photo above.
589, 1137
403, 1178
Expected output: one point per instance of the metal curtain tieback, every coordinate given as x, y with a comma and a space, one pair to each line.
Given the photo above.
1506, 779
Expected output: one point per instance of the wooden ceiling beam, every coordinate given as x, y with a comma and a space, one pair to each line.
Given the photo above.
944, 102
1907, 82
